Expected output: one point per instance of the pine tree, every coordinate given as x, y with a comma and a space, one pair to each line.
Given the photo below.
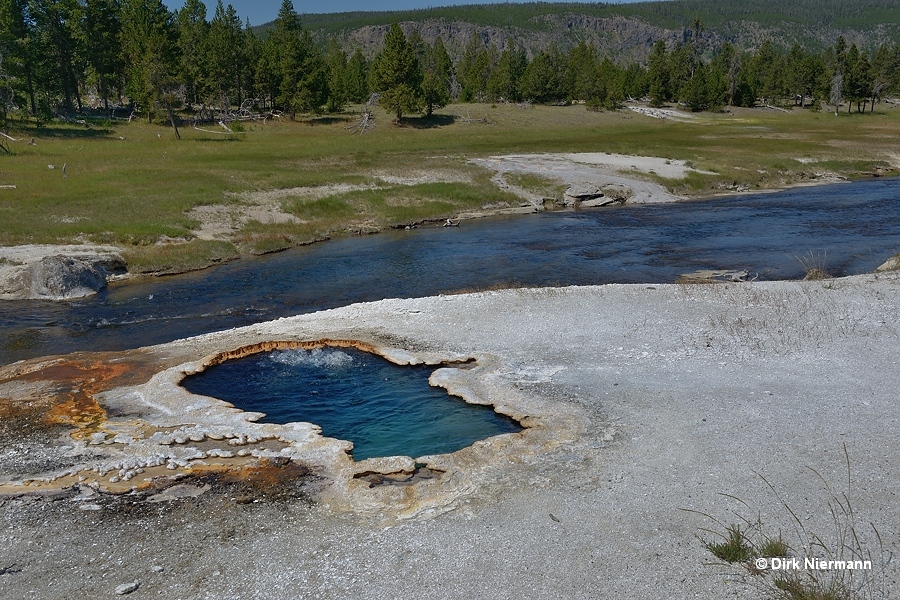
148, 49
252, 49
59, 57
297, 64
803, 74
99, 37
397, 76
437, 74
542, 80
857, 78
582, 66
695, 93
193, 34
634, 81
894, 70
681, 69
473, 70
503, 82
356, 77
226, 60
658, 74
723, 76
268, 75
611, 84
336, 62
18, 53
882, 67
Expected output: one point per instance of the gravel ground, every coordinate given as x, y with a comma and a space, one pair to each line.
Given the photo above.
681, 393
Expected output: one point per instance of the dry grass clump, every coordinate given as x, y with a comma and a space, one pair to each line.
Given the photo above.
853, 549
814, 265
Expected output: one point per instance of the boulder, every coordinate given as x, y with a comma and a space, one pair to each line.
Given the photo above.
602, 201
588, 195
618, 193
714, 275
581, 192
62, 277
891, 264
584, 191
126, 588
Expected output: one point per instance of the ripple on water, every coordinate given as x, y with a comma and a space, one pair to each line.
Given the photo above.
857, 226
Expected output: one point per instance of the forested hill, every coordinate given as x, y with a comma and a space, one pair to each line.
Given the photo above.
627, 30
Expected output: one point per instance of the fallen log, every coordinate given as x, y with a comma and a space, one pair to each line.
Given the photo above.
229, 132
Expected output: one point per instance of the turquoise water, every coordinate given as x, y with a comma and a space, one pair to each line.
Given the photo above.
384, 409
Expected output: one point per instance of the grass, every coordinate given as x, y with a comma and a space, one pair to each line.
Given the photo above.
545, 187
750, 545
814, 265
133, 184
399, 205
162, 259
734, 548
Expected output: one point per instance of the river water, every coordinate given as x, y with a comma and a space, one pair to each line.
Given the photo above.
853, 227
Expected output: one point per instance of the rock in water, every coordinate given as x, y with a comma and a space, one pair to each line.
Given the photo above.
580, 192
891, 264
62, 277
127, 588
589, 194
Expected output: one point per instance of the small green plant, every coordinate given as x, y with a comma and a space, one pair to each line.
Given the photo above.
773, 548
734, 549
792, 587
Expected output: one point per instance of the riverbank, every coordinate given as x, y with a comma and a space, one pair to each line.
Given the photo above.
643, 402
175, 206
554, 182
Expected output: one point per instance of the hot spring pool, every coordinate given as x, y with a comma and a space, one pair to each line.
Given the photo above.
383, 408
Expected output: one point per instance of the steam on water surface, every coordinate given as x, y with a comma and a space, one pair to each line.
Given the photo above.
317, 357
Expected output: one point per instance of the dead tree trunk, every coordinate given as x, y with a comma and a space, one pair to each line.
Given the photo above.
364, 122
174, 124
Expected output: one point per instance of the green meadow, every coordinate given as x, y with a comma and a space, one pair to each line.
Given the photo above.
135, 185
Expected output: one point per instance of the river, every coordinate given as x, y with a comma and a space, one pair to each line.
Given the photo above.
851, 227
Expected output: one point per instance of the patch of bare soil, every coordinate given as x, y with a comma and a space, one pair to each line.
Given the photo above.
222, 221
597, 170
663, 113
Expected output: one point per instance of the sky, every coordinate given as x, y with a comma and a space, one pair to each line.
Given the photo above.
263, 11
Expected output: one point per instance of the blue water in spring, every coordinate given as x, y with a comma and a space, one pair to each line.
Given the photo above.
384, 409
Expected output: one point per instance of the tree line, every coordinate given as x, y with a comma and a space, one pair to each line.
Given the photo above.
60, 56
